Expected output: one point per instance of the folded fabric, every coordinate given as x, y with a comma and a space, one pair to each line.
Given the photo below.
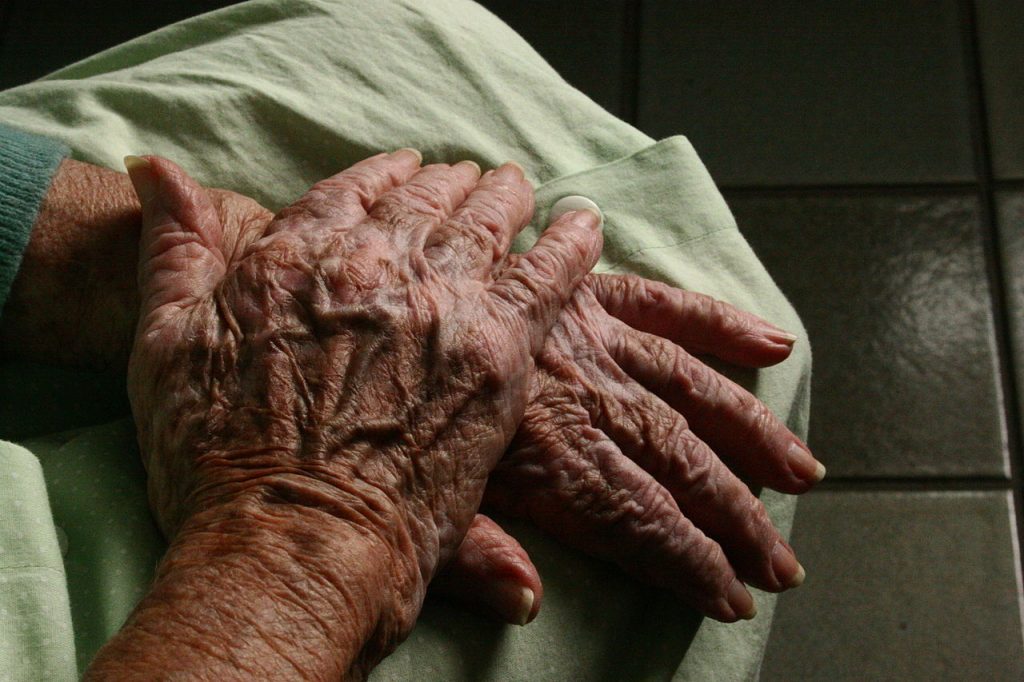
267, 97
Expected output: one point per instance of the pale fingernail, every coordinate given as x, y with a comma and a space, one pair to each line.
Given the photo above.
526, 598
574, 202
138, 170
510, 171
470, 164
787, 569
409, 153
803, 464
780, 336
741, 601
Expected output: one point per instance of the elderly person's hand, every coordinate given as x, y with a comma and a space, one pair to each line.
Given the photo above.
75, 300
623, 453
318, 412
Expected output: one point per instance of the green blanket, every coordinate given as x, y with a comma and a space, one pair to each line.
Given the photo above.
265, 98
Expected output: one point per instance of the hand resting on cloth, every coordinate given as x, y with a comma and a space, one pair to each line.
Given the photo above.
618, 452
318, 412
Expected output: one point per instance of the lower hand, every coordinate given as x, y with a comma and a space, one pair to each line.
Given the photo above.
636, 452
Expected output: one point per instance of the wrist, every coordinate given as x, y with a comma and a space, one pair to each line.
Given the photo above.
74, 299
274, 590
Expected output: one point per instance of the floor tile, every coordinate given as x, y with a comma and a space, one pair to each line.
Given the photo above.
893, 291
810, 92
1010, 220
583, 40
1001, 41
901, 586
44, 35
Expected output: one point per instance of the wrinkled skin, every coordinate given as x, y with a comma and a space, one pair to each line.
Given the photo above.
625, 476
90, 220
359, 359
605, 461
75, 300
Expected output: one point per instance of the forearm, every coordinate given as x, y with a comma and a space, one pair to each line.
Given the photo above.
77, 278
280, 593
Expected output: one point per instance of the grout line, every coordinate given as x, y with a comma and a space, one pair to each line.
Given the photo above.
631, 27
1012, 185
997, 276
915, 484
949, 188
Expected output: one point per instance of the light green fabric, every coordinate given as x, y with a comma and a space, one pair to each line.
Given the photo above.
35, 617
269, 96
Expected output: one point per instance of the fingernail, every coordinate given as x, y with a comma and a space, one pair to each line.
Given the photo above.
574, 202
139, 171
525, 606
787, 569
741, 601
510, 171
409, 152
803, 464
779, 336
470, 164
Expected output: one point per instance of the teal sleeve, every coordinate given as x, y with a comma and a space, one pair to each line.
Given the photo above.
27, 164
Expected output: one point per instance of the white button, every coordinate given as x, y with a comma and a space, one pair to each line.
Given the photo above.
573, 202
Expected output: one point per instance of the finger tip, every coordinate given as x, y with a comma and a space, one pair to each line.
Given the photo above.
819, 473
132, 162
409, 154
741, 601
525, 611
799, 578
140, 171
574, 203
788, 571
803, 464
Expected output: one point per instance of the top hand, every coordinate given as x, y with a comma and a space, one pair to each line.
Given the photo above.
347, 381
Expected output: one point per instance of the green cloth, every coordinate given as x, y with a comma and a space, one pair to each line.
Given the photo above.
269, 96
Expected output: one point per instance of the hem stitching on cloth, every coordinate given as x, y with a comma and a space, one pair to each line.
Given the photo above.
21, 568
683, 242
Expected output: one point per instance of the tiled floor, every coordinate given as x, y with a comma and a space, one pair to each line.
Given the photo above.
873, 152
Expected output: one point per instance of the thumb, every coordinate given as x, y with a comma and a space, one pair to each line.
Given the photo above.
492, 574
180, 257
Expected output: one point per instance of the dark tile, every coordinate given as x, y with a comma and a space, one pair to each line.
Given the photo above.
901, 586
792, 92
1010, 219
1001, 39
44, 35
894, 293
583, 40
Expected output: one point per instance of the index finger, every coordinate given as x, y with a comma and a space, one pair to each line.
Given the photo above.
541, 281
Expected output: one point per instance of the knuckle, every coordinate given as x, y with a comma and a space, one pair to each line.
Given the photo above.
695, 380
477, 231
648, 295
696, 472
361, 183
491, 218
519, 289
422, 198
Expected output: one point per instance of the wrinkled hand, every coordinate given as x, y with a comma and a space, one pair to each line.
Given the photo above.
75, 300
628, 450
362, 361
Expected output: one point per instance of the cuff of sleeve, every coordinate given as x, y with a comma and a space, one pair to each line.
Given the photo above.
27, 165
